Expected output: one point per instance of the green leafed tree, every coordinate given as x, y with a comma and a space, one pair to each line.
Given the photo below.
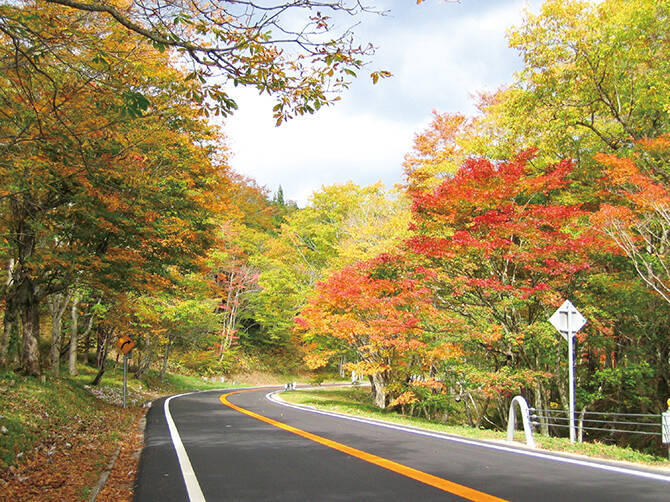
594, 80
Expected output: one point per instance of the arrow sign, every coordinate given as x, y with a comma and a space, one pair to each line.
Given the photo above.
567, 317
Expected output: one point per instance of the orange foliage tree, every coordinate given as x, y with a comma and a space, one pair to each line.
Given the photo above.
437, 151
377, 313
636, 215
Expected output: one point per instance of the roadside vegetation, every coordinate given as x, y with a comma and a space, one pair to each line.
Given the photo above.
357, 401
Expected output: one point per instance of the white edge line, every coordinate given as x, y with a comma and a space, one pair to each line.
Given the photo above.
190, 480
620, 470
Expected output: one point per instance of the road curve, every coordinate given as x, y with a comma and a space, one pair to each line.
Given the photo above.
247, 448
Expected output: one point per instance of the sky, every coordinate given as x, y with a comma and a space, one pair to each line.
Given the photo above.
440, 54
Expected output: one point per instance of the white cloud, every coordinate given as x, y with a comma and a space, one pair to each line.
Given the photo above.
307, 152
439, 54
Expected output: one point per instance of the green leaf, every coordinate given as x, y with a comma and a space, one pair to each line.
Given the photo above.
159, 46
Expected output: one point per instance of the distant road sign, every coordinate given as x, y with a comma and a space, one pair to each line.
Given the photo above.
125, 344
567, 320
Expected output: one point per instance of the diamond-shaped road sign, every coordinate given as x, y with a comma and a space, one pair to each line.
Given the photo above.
567, 317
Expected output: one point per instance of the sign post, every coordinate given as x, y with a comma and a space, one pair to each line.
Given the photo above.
568, 320
125, 378
665, 427
125, 345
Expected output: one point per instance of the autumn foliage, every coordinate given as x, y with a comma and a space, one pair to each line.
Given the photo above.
493, 247
636, 215
375, 313
504, 224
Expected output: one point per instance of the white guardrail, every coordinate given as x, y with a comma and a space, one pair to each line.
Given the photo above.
525, 418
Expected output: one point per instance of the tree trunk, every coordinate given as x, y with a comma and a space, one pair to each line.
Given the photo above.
103, 347
4, 341
373, 391
104, 335
562, 387
98, 376
72, 351
144, 366
580, 425
9, 320
25, 295
379, 390
56, 325
230, 320
57, 303
468, 413
99, 344
480, 413
87, 346
87, 339
343, 362
541, 403
166, 356
30, 357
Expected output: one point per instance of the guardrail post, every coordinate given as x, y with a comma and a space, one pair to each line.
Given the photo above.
525, 417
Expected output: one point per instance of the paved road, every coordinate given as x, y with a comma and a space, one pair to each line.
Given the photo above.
246, 453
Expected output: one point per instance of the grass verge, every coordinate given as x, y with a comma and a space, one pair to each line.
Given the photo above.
55, 437
356, 401
58, 434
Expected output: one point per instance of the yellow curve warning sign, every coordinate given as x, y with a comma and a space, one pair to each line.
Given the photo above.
125, 344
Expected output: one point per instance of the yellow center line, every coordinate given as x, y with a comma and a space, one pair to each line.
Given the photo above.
437, 482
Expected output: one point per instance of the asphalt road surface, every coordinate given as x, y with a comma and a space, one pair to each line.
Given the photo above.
243, 447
